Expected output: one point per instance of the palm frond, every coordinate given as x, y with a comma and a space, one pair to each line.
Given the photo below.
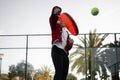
93, 46
77, 63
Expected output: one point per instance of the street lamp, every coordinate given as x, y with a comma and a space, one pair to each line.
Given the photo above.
1, 55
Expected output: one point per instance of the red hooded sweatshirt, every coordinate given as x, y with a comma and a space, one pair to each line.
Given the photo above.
56, 30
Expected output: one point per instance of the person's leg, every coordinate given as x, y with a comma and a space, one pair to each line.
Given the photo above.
58, 63
66, 67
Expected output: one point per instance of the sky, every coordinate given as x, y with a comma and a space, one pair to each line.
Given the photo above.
32, 17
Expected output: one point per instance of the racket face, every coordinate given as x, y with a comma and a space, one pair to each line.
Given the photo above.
70, 23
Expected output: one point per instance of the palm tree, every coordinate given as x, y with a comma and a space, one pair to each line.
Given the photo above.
84, 57
70, 76
44, 73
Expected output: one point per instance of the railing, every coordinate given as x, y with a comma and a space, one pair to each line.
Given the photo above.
28, 42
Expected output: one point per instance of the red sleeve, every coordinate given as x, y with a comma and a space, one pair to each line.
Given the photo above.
53, 20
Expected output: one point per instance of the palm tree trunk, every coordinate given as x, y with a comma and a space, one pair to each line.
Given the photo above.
92, 64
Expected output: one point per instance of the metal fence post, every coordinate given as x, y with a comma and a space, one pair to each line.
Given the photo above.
26, 57
116, 65
85, 58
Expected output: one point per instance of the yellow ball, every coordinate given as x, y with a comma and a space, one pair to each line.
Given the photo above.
94, 11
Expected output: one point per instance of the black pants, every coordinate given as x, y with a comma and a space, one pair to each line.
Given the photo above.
61, 63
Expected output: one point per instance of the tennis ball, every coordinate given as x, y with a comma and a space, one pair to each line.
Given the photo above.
94, 11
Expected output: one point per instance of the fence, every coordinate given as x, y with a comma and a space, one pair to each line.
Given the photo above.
36, 49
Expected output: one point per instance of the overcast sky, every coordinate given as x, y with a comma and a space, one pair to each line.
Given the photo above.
32, 17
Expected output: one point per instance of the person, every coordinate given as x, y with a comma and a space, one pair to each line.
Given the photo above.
61, 44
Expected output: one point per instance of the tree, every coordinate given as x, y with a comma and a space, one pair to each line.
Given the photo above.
19, 70
44, 73
83, 59
12, 71
70, 76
